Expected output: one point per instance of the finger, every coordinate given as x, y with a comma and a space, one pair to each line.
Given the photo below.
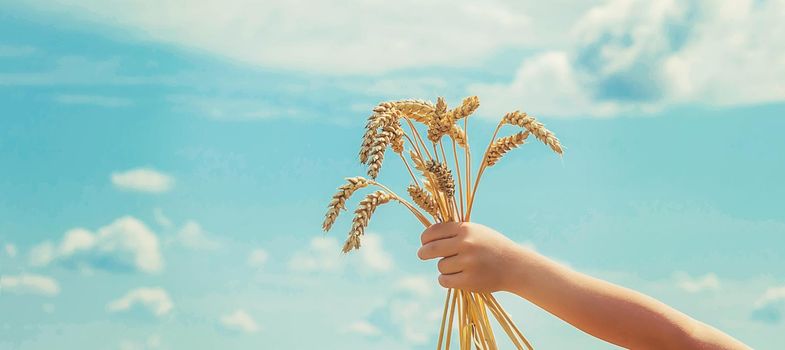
440, 231
438, 249
456, 280
451, 264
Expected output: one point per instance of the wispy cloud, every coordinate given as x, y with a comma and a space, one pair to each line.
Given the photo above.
239, 320
29, 284
697, 284
770, 307
392, 32
143, 180
93, 100
363, 328
258, 258
322, 254
154, 300
10, 250
125, 244
193, 236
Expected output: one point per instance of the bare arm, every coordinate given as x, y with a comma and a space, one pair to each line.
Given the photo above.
478, 258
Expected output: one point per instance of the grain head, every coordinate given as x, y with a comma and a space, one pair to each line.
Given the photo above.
423, 199
536, 128
444, 181
339, 199
503, 145
362, 215
467, 107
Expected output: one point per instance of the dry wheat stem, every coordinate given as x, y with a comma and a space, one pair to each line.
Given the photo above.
414, 178
479, 172
454, 208
468, 163
452, 313
416, 135
444, 318
458, 173
408, 205
509, 320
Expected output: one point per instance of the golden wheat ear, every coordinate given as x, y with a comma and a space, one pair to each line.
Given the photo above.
419, 110
362, 215
423, 199
338, 202
503, 145
467, 107
444, 181
536, 128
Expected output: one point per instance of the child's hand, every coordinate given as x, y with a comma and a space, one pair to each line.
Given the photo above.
475, 257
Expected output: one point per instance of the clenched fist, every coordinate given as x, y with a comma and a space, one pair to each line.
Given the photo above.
473, 257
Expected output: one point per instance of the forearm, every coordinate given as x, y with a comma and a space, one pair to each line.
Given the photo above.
610, 312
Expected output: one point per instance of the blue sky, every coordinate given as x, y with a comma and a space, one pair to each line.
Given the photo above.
164, 167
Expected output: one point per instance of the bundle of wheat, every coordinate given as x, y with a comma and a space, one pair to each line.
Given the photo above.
436, 197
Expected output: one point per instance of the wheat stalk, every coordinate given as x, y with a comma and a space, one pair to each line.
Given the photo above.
538, 129
437, 195
504, 145
362, 215
338, 202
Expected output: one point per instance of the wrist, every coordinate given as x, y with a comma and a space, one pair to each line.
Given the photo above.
518, 276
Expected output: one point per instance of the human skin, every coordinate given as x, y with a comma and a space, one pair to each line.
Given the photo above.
477, 258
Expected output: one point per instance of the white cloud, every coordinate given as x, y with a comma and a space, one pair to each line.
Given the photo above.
258, 258
161, 218
696, 284
635, 55
124, 244
542, 85
416, 285
92, 100
239, 320
29, 284
193, 236
10, 250
154, 300
321, 36
363, 328
373, 255
323, 254
770, 307
143, 180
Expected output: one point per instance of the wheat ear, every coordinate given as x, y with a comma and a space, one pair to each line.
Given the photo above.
419, 110
459, 135
362, 215
338, 202
444, 181
467, 107
423, 199
503, 145
538, 129
441, 123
